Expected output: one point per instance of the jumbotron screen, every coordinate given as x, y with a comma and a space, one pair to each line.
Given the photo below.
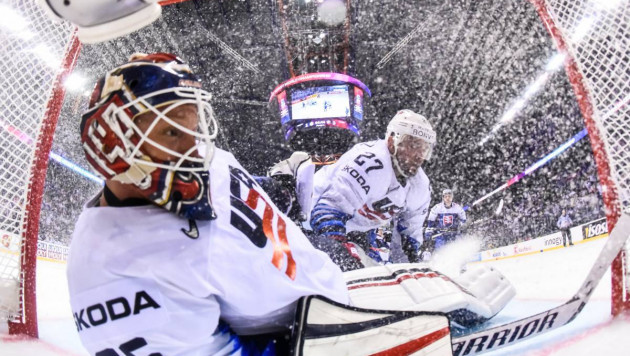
320, 103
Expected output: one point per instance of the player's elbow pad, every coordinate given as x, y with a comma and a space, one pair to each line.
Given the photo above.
289, 166
328, 221
102, 20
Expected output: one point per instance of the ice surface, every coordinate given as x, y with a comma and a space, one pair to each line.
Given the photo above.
542, 281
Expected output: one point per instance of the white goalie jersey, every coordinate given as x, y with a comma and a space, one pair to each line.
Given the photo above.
363, 185
145, 281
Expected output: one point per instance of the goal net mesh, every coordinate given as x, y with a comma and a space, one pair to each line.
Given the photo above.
596, 37
33, 49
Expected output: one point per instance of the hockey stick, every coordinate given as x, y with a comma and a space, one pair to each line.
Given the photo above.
513, 332
445, 231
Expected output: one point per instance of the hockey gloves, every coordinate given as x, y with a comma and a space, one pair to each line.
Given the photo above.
330, 222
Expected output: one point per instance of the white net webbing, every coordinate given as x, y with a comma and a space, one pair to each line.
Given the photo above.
597, 34
32, 49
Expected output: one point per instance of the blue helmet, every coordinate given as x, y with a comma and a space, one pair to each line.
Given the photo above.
155, 83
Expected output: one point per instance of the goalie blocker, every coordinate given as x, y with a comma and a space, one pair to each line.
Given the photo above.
399, 309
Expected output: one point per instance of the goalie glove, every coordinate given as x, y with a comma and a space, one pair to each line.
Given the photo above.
102, 20
290, 165
470, 299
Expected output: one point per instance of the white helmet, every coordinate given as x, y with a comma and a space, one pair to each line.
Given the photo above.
407, 122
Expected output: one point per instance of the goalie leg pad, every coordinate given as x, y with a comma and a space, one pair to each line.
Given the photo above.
488, 285
415, 286
323, 327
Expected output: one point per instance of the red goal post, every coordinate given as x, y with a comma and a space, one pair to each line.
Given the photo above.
37, 55
595, 37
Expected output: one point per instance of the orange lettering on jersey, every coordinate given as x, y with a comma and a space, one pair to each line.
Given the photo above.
284, 245
279, 248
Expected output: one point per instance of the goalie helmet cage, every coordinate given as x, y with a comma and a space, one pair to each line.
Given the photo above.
31, 89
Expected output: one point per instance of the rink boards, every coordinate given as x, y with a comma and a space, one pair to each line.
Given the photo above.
590, 231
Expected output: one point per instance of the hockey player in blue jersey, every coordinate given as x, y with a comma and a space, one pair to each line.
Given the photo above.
378, 241
445, 220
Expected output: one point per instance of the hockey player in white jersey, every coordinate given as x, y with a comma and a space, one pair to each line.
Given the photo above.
376, 182
182, 250
445, 220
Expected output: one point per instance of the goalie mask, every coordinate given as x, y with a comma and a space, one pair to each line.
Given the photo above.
413, 138
129, 107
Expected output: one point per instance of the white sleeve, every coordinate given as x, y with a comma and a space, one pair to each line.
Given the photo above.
413, 219
290, 165
433, 213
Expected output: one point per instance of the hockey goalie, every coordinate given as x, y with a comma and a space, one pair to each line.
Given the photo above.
183, 253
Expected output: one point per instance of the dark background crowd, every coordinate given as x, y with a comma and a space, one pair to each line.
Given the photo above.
465, 63
531, 209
